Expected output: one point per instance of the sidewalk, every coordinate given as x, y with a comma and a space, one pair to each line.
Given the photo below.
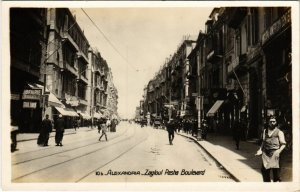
242, 164
21, 137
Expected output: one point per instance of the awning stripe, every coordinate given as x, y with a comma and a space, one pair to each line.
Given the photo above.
215, 108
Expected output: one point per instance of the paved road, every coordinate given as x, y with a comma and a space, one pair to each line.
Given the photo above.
131, 154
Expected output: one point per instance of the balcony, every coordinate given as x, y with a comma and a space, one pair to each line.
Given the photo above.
67, 37
71, 68
81, 55
238, 65
236, 16
84, 79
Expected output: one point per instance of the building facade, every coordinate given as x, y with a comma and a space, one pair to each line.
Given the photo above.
56, 73
239, 69
27, 47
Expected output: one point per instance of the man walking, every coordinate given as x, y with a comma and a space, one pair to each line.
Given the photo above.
170, 129
103, 128
60, 129
272, 145
46, 128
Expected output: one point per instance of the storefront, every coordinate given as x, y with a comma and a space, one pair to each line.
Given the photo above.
31, 109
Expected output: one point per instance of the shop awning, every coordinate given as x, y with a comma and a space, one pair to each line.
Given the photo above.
52, 101
214, 108
84, 115
98, 115
67, 112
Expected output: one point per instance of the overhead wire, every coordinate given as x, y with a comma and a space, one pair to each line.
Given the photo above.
108, 40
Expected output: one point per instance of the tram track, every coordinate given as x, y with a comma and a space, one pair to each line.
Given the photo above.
60, 152
74, 158
114, 159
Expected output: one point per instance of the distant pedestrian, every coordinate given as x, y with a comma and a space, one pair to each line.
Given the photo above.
237, 133
108, 124
60, 129
272, 145
194, 127
171, 130
204, 129
75, 126
114, 123
78, 123
46, 128
103, 128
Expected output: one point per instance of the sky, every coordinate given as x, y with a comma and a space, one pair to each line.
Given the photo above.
137, 41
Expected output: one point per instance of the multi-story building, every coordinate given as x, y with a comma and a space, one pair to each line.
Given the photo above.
98, 87
276, 45
253, 70
239, 70
67, 65
112, 97
180, 96
53, 74
27, 48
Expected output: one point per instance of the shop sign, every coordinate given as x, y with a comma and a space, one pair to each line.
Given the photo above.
277, 26
72, 100
32, 94
31, 105
14, 96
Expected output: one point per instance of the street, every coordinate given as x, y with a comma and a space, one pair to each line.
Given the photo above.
130, 154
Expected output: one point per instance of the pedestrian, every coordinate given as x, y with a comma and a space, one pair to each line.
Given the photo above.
204, 128
108, 124
194, 127
170, 129
60, 129
78, 123
273, 143
75, 124
103, 128
113, 125
237, 133
46, 128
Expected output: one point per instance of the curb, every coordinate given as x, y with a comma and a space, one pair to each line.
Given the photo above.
31, 139
222, 164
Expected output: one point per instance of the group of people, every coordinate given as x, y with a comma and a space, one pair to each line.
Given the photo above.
59, 125
273, 143
46, 129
